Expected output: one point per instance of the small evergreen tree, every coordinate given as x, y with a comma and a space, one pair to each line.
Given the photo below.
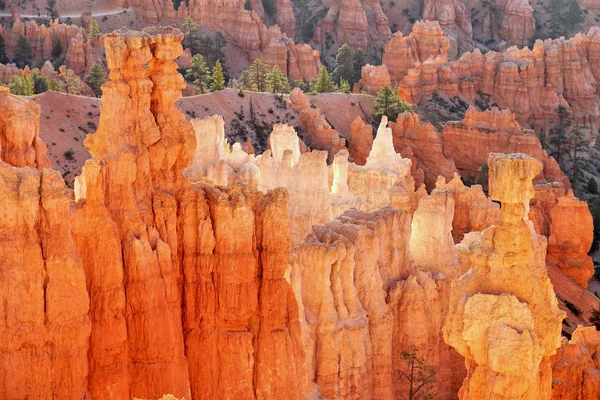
258, 75
344, 66
344, 86
40, 82
218, 79
324, 83
22, 85
387, 103
95, 79
3, 57
558, 134
574, 13
94, 30
51, 9
359, 60
23, 52
199, 74
420, 377
555, 23
592, 186
191, 28
220, 43
206, 47
57, 48
277, 82
73, 84
577, 144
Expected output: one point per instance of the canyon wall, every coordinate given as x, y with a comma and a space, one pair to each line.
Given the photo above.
532, 83
184, 265
504, 317
76, 48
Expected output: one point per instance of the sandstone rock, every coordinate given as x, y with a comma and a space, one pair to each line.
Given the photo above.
46, 327
516, 24
360, 141
571, 237
470, 141
449, 13
426, 145
319, 134
21, 145
505, 305
404, 52
530, 83
373, 79
299, 62
575, 367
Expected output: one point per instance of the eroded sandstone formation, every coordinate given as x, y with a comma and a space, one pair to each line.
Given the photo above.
576, 366
20, 143
504, 318
354, 22
77, 49
426, 41
532, 83
319, 133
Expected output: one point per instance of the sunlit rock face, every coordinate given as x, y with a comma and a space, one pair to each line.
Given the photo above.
20, 143
531, 83
505, 306
576, 366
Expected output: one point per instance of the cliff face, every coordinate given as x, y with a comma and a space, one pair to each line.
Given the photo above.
405, 52
73, 40
505, 305
576, 366
530, 83
20, 143
354, 22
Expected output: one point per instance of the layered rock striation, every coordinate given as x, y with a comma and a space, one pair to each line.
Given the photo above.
504, 318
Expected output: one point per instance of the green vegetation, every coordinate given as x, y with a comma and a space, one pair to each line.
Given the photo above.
199, 73
218, 79
22, 85
95, 79
421, 378
277, 82
23, 52
94, 30
3, 57
51, 9
324, 83
387, 103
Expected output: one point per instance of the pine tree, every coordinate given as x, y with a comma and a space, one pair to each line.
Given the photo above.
40, 82
3, 57
258, 75
95, 79
420, 377
558, 134
387, 103
344, 66
22, 85
23, 52
199, 74
220, 43
359, 60
344, 86
94, 30
574, 13
56, 48
51, 9
324, 83
218, 79
73, 84
556, 26
206, 46
277, 82
577, 144
190, 36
